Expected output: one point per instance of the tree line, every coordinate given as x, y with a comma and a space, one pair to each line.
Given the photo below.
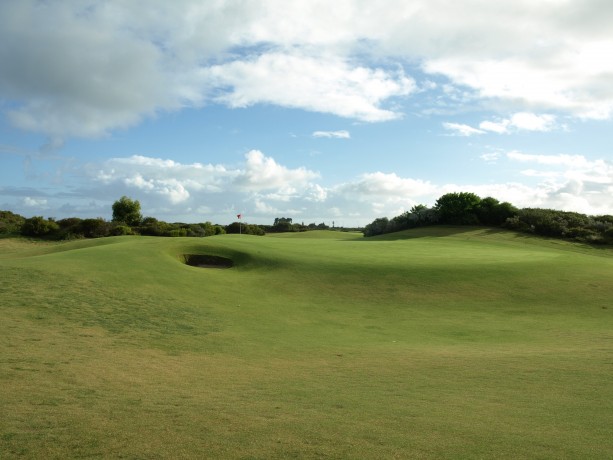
461, 208
128, 220
466, 208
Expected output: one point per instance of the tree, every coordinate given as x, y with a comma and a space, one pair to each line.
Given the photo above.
492, 212
245, 229
127, 211
283, 224
458, 208
378, 226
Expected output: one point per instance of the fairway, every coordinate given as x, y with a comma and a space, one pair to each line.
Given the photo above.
433, 343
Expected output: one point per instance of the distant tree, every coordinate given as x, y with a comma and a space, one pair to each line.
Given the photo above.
247, 229
458, 208
283, 224
127, 211
38, 226
95, 228
492, 212
549, 222
10, 223
377, 227
210, 229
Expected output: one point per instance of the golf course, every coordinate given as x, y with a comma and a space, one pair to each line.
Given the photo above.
436, 343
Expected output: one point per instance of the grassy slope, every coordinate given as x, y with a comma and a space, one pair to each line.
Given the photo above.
436, 343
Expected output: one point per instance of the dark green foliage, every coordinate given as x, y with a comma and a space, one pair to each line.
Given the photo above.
10, 223
563, 224
120, 230
321, 226
70, 228
285, 224
95, 228
39, 227
127, 211
458, 208
377, 227
178, 232
492, 212
247, 229
282, 224
469, 209
152, 227
419, 216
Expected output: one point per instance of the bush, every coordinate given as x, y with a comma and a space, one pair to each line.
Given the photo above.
95, 228
247, 229
39, 227
10, 223
121, 230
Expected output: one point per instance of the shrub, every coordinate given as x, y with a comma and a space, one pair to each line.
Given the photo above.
10, 223
39, 227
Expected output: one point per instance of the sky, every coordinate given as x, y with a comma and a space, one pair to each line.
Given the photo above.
336, 112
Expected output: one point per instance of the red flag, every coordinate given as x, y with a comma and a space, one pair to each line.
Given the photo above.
239, 215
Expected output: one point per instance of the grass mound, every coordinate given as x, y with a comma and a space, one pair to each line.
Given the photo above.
440, 343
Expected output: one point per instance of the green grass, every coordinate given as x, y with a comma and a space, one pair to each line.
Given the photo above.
432, 343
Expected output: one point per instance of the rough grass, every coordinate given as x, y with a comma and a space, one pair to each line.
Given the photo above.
437, 343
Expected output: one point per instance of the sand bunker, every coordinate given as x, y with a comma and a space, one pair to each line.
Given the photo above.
207, 261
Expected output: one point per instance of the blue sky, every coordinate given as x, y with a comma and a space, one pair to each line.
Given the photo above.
320, 112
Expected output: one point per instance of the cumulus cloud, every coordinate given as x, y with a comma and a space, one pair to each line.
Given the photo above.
320, 84
262, 188
264, 173
161, 182
87, 68
570, 182
34, 202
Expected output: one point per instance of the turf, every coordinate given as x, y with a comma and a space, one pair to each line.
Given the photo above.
432, 343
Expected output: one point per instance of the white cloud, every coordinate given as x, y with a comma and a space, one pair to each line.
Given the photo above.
531, 122
570, 182
262, 189
75, 69
378, 193
490, 156
264, 173
499, 127
461, 129
315, 83
521, 121
342, 134
34, 202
